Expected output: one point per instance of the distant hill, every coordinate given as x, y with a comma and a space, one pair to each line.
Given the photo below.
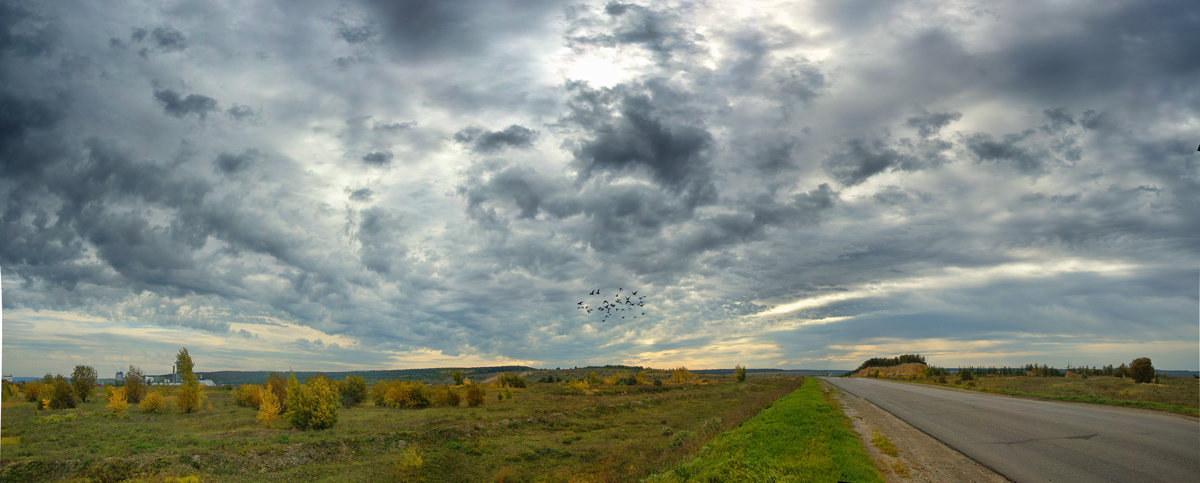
438, 375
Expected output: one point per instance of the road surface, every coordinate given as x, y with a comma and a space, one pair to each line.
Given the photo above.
1030, 440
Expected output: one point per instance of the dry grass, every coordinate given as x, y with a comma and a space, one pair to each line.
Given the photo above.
886, 447
547, 431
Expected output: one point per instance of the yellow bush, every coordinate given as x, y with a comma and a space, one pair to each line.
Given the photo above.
153, 403
680, 375
118, 403
409, 462
445, 396
313, 405
268, 405
474, 395
248, 395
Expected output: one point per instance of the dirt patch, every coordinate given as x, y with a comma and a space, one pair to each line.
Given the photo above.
918, 457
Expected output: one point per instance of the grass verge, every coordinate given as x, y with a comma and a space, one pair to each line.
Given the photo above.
1097, 400
1109, 391
802, 437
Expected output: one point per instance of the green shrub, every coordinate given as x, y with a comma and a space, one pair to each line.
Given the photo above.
353, 391
61, 395
679, 438
407, 394
82, 382
458, 377
739, 373
510, 379
1141, 370
313, 405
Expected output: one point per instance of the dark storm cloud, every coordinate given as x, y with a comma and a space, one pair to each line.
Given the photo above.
632, 128
1059, 118
24, 32
421, 30
661, 31
240, 112
1008, 150
180, 106
930, 124
18, 118
362, 194
484, 141
859, 160
378, 158
232, 163
168, 39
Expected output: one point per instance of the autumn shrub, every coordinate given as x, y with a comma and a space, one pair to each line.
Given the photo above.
82, 382
248, 395
739, 373
407, 394
10, 391
593, 378
511, 379
313, 405
353, 391
153, 403
61, 395
458, 377
278, 384
190, 398
474, 395
118, 402
32, 391
268, 404
445, 396
135, 385
680, 375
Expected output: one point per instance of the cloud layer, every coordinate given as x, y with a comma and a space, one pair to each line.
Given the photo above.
404, 184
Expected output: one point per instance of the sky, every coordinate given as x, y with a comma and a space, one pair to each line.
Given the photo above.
404, 184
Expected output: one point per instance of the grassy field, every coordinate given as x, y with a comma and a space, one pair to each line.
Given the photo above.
1172, 394
546, 432
802, 437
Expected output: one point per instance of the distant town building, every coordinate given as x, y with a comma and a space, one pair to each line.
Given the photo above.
120, 377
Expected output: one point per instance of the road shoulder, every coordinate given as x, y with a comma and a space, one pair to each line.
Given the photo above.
919, 457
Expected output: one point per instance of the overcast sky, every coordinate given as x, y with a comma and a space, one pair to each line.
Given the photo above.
373, 185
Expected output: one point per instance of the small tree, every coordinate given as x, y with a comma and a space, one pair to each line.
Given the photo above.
680, 375
268, 405
61, 394
32, 391
279, 385
593, 378
1141, 370
190, 397
118, 402
249, 395
313, 405
153, 403
474, 395
82, 381
458, 377
135, 385
353, 390
739, 373
1121, 371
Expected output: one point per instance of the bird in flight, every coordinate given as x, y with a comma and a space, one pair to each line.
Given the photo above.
619, 305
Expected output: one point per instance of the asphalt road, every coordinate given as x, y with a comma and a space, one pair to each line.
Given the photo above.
1029, 440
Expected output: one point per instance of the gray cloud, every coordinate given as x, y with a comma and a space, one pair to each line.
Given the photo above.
722, 162
378, 158
180, 106
484, 141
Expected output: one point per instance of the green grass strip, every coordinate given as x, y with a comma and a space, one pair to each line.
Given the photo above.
801, 437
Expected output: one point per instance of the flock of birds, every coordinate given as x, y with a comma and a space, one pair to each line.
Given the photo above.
629, 306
